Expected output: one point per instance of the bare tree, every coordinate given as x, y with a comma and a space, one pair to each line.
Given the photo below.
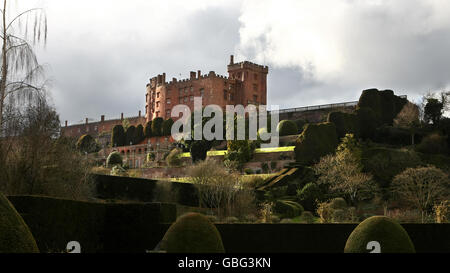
20, 70
408, 118
422, 187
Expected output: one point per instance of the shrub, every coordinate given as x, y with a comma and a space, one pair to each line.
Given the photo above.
392, 135
307, 217
345, 123
15, 236
157, 126
287, 209
442, 211
367, 122
151, 156
118, 136
391, 235
114, 158
325, 212
248, 171
192, 233
173, 159
265, 167
199, 150
338, 203
309, 195
87, 144
130, 136
287, 128
117, 170
148, 129
240, 151
167, 127
273, 165
300, 124
433, 144
315, 141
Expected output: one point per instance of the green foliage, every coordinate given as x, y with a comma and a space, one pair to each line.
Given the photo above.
199, 149
118, 136
117, 170
300, 124
367, 122
287, 209
151, 156
15, 236
248, 171
309, 195
87, 144
433, 110
392, 135
148, 129
192, 233
173, 159
139, 133
240, 151
265, 167
433, 144
157, 126
167, 127
287, 128
391, 235
130, 136
114, 158
315, 141
125, 124
385, 163
338, 203
345, 123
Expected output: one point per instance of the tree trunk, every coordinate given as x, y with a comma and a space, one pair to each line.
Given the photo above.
4, 68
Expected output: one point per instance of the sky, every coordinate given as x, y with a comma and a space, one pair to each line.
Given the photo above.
100, 54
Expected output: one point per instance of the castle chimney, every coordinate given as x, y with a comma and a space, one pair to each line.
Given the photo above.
192, 75
159, 79
86, 120
121, 116
66, 123
102, 118
139, 113
174, 79
163, 78
199, 74
231, 59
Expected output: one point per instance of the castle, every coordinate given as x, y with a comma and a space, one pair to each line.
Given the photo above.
246, 84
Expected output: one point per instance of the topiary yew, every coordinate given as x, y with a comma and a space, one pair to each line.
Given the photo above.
114, 158
192, 233
391, 236
15, 236
287, 128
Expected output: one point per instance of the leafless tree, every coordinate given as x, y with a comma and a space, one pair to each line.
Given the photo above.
21, 73
408, 118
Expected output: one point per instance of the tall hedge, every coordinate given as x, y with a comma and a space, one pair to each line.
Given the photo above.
130, 136
287, 128
345, 123
139, 133
367, 122
86, 143
118, 136
157, 126
15, 236
167, 127
384, 104
199, 149
148, 129
316, 140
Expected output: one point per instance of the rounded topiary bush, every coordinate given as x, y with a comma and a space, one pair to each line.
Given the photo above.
288, 209
287, 128
192, 233
338, 203
392, 237
15, 236
114, 158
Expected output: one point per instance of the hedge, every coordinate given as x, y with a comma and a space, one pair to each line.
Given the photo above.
345, 123
15, 236
157, 126
118, 136
287, 128
167, 127
315, 141
98, 227
384, 104
148, 129
130, 136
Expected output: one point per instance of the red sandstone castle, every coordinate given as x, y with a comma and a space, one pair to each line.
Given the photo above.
246, 84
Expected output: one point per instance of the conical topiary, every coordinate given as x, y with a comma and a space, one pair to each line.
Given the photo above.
390, 235
192, 233
15, 236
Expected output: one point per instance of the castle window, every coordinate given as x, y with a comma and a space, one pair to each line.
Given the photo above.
157, 104
168, 114
180, 91
192, 89
231, 96
78, 130
168, 92
168, 101
185, 99
255, 87
255, 76
185, 90
157, 95
202, 92
180, 99
225, 96
157, 113
191, 98
255, 98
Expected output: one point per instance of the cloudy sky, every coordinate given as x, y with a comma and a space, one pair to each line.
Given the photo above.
101, 53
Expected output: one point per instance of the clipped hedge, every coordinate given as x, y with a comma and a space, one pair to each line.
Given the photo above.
157, 126
391, 236
384, 104
315, 141
167, 127
288, 209
192, 233
15, 236
114, 158
118, 136
98, 227
287, 128
345, 123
